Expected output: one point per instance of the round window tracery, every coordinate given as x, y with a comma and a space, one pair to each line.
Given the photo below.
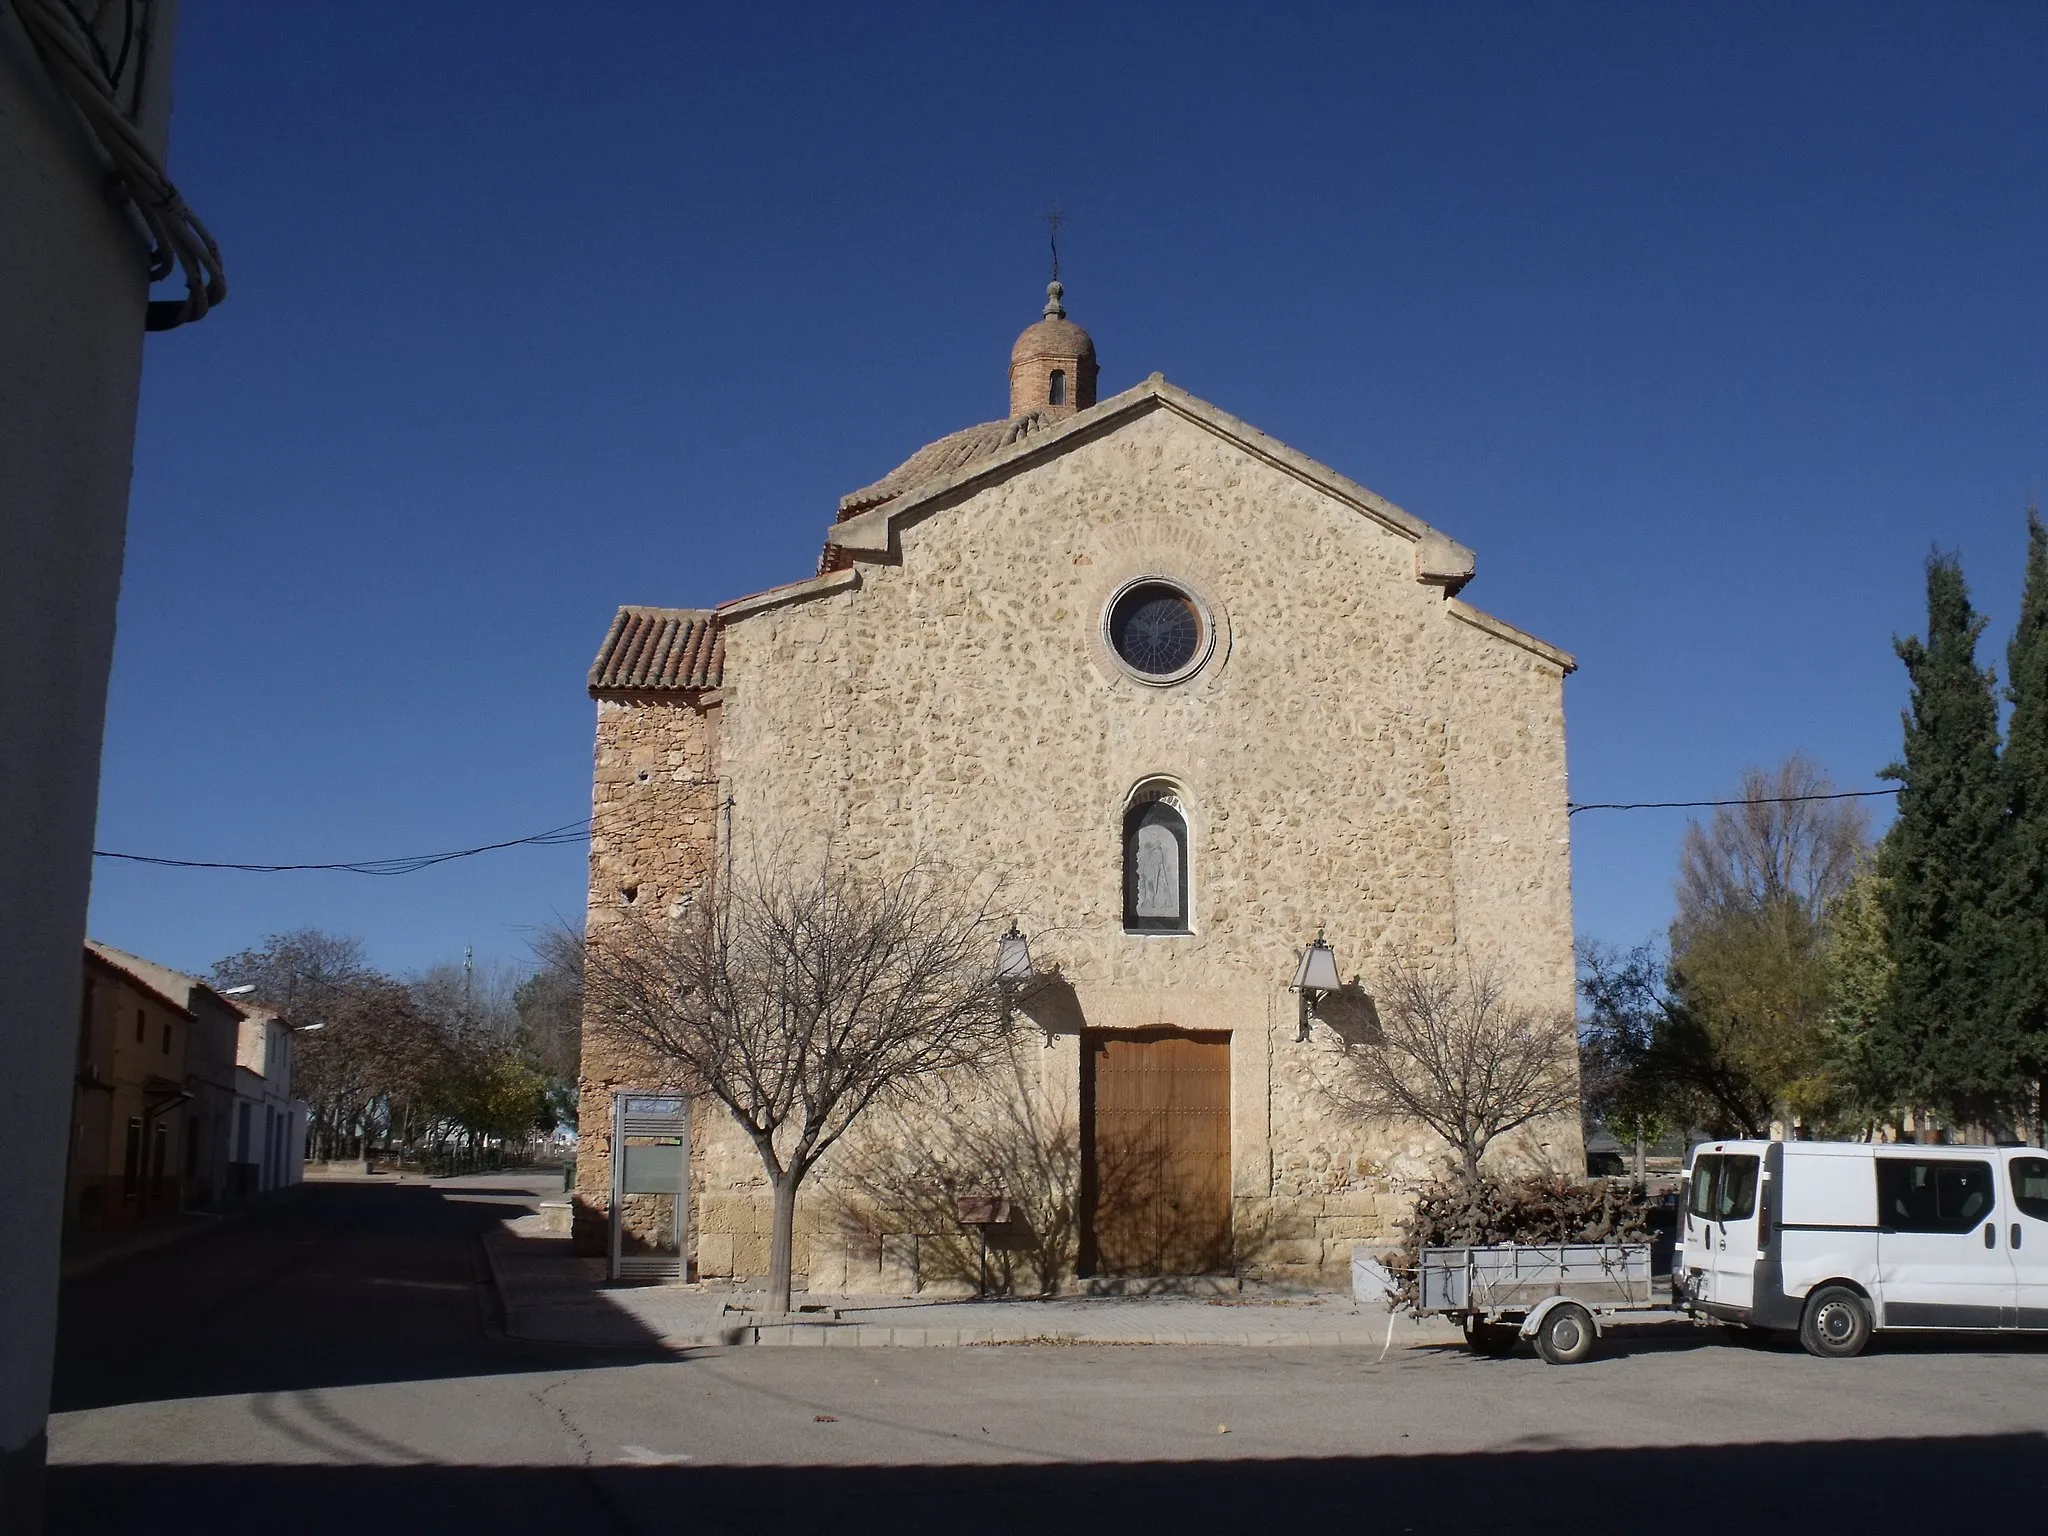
1158, 629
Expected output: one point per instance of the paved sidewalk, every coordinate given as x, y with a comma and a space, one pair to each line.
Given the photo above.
552, 1296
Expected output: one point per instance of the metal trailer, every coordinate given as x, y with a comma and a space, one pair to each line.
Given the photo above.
1553, 1294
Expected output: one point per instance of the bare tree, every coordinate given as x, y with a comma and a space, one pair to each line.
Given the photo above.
297, 973
1782, 844
550, 1003
798, 999
1451, 1050
1013, 1143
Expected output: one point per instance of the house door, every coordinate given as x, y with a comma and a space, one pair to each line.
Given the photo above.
1158, 1169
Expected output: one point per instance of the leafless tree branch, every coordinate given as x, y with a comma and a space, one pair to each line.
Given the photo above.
799, 998
1454, 1052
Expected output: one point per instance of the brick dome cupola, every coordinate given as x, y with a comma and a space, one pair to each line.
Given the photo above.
1052, 367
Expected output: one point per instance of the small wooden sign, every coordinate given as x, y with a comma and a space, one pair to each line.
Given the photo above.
982, 1210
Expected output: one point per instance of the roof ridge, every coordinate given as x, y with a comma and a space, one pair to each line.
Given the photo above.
121, 961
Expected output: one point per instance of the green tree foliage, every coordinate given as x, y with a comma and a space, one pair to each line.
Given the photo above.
1648, 1056
424, 1063
1945, 1043
1746, 944
1857, 954
2022, 904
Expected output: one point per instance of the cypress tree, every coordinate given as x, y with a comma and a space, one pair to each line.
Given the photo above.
2023, 903
1944, 1043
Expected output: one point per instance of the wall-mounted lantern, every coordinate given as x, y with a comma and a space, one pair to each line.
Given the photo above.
1016, 972
1314, 979
1013, 959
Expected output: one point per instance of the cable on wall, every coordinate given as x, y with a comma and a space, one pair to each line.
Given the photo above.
78, 64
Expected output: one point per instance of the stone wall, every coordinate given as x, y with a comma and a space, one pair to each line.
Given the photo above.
653, 837
1358, 752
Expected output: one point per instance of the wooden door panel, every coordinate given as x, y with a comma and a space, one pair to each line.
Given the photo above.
1161, 1154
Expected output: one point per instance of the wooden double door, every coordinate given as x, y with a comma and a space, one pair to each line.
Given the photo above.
1156, 1177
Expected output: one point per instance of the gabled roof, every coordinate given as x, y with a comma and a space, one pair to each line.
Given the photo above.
683, 649
660, 650
168, 988
1439, 560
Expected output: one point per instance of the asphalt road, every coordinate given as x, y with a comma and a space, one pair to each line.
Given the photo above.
331, 1365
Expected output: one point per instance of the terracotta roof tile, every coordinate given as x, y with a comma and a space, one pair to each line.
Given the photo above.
653, 649
953, 452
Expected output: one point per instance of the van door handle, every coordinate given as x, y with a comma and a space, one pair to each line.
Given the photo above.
1990, 1234
2015, 1234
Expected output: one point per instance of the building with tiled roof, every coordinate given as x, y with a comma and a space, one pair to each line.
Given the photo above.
1198, 698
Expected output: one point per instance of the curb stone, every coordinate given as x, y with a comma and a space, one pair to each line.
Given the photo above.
521, 1324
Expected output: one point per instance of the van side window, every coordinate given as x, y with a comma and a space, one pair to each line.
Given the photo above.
1701, 1203
1932, 1195
1735, 1190
2030, 1186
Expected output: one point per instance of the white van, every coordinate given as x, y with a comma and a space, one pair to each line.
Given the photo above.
1835, 1239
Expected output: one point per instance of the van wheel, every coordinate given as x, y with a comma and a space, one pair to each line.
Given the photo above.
1566, 1335
1836, 1325
1496, 1341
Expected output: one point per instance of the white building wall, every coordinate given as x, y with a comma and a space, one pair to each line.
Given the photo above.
70, 367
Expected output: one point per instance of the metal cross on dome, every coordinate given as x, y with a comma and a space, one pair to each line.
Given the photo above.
1053, 220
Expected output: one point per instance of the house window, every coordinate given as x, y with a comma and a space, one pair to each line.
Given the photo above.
1058, 392
1155, 868
131, 1161
167, 1039
141, 1024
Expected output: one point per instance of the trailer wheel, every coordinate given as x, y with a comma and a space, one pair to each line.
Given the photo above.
1565, 1336
1836, 1325
1496, 1341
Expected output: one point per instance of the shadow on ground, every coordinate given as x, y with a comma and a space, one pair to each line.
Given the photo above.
1679, 1336
1806, 1488
346, 1285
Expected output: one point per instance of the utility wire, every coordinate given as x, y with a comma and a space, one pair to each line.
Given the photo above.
579, 831
574, 832
1693, 805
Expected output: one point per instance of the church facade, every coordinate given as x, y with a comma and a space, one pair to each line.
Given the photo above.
1201, 697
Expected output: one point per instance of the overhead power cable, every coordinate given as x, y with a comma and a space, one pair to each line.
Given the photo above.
1694, 805
579, 831
573, 832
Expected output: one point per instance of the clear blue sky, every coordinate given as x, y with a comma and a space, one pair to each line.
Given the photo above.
1700, 324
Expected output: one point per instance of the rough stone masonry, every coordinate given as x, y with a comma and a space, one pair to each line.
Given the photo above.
1349, 747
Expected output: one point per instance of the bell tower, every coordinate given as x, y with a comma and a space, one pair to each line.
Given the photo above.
1052, 366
